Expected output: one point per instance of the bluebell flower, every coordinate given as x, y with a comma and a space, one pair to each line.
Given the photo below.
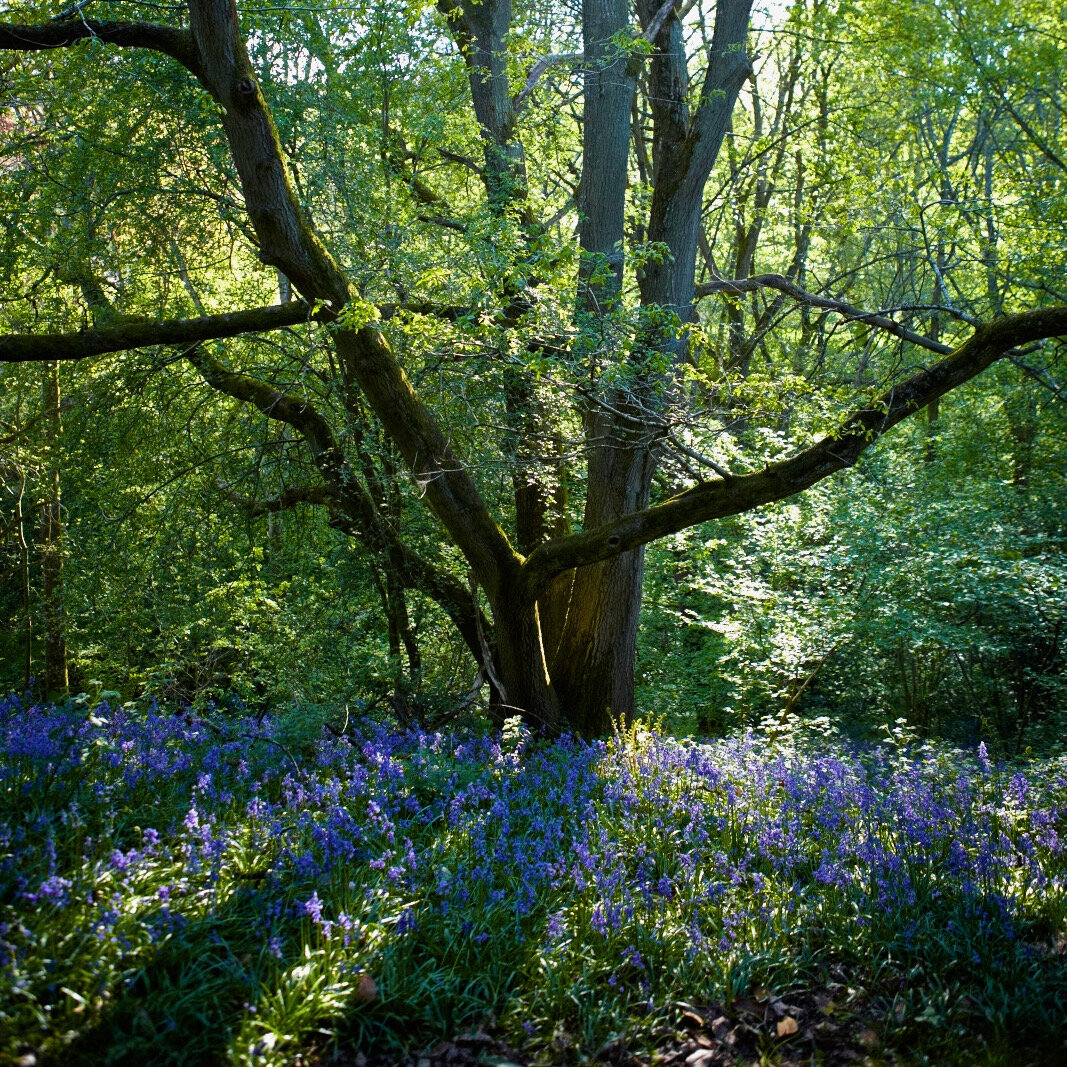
313, 907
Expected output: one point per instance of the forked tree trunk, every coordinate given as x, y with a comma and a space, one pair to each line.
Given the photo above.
592, 667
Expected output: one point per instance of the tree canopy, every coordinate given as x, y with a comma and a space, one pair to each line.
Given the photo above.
510, 291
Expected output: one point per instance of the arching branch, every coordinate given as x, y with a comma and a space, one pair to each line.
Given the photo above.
350, 506
802, 296
283, 501
835, 452
174, 42
29, 348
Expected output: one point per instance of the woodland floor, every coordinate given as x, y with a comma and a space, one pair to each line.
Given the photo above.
819, 1026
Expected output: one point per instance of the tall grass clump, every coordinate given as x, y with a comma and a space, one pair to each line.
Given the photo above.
180, 889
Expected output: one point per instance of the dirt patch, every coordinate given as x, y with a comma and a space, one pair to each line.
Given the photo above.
829, 1024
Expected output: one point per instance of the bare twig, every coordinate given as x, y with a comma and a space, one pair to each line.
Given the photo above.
537, 71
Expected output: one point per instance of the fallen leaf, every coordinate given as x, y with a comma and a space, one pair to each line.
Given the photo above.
748, 1006
869, 1039
366, 989
787, 1026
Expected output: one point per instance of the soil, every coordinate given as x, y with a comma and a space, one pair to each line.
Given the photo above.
824, 1026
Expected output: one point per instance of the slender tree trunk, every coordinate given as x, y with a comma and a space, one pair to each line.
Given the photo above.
933, 409
1021, 410
24, 566
55, 679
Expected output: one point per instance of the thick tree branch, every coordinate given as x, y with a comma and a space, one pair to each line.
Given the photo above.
441, 476
655, 24
835, 452
214, 51
174, 42
289, 242
445, 221
284, 501
277, 404
33, 348
29, 348
463, 161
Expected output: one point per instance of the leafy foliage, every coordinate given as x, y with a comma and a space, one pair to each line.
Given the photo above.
893, 157
892, 601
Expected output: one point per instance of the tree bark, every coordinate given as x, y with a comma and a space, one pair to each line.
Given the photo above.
54, 681
24, 575
28, 348
591, 616
593, 669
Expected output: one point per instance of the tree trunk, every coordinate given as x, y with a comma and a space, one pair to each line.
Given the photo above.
55, 679
24, 575
1021, 411
593, 665
522, 682
609, 90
